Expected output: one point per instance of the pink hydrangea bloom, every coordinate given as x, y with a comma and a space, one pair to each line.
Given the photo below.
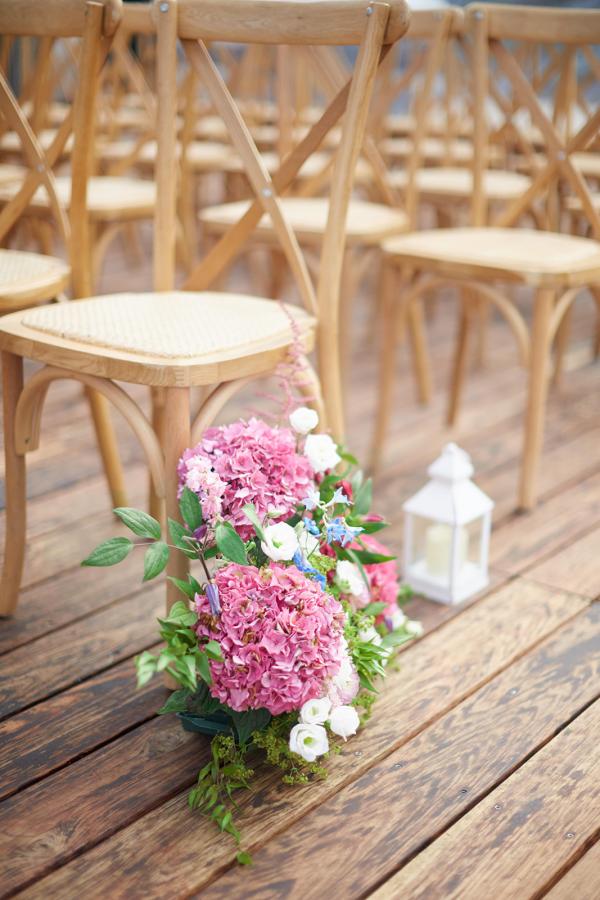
259, 464
383, 577
196, 473
280, 635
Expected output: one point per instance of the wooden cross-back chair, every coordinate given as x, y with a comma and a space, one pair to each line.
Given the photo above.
447, 189
555, 266
172, 340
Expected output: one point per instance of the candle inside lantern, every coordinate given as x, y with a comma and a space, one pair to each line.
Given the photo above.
438, 549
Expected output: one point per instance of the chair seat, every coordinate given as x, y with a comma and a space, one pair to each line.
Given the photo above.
171, 338
514, 254
445, 182
29, 278
109, 198
366, 222
435, 150
10, 172
10, 142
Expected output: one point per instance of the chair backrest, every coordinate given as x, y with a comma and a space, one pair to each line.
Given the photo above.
373, 27
506, 43
94, 22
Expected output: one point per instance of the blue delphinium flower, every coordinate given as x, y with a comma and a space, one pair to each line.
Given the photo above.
311, 501
302, 565
311, 526
343, 534
212, 595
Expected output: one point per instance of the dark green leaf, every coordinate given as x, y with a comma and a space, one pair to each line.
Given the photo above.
367, 684
372, 527
191, 510
230, 543
180, 614
184, 586
139, 522
155, 560
179, 533
177, 702
367, 558
110, 552
203, 667
249, 721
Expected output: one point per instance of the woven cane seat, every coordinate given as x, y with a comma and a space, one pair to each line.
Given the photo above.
9, 172
435, 150
442, 182
172, 338
108, 197
516, 254
366, 222
27, 278
10, 142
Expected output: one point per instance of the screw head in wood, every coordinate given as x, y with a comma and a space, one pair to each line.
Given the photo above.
369, 10
164, 7
267, 192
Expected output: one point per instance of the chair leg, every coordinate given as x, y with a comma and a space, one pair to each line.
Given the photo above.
107, 444
421, 362
562, 341
539, 367
14, 542
484, 311
176, 439
156, 505
389, 337
460, 359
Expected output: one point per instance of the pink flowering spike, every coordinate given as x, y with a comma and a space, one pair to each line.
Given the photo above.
281, 638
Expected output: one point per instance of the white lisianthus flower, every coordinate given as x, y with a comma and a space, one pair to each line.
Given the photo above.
349, 578
415, 628
344, 721
307, 542
321, 451
308, 741
315, 712
370, 635
280, 543
397, 619
344, 686
303, 420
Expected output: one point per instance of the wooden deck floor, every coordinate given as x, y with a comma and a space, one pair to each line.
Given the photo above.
479, 774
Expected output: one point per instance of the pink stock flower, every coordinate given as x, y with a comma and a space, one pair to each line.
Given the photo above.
196, 473
281, 638
258, 464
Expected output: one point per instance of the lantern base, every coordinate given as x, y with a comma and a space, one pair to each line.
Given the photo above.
434, 587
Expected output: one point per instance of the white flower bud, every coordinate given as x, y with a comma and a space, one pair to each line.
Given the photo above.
280, 543
414, 627
303, 420
315, 712
344, 721
321, 451
308, 741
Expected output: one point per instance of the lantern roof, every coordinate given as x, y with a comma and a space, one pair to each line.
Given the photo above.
450, 496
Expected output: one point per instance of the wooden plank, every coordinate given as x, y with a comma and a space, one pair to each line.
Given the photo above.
432, 680
548, 528
86, 802
57, 661
582, 881
422, 788
47, 736
531, 828
577, 566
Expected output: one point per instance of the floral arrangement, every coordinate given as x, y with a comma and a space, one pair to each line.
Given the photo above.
292, 613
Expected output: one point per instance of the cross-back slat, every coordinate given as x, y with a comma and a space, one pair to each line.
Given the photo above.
219, 257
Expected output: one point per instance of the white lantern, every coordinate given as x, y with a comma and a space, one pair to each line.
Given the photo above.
447, 532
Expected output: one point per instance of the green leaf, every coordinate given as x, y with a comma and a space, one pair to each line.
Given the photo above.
155, 560
203, 667
109, 553
180, 614
145, 665
177, 702
191, 510
396, 639
251, 515
184, 586
347, 456
374, 609
250, 720
213, 650
139, 522
179, 533
230, 543
244, 858
368, 558
372, 527
367, 684
363, 498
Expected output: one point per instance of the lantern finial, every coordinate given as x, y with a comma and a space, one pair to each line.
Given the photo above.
453, 465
